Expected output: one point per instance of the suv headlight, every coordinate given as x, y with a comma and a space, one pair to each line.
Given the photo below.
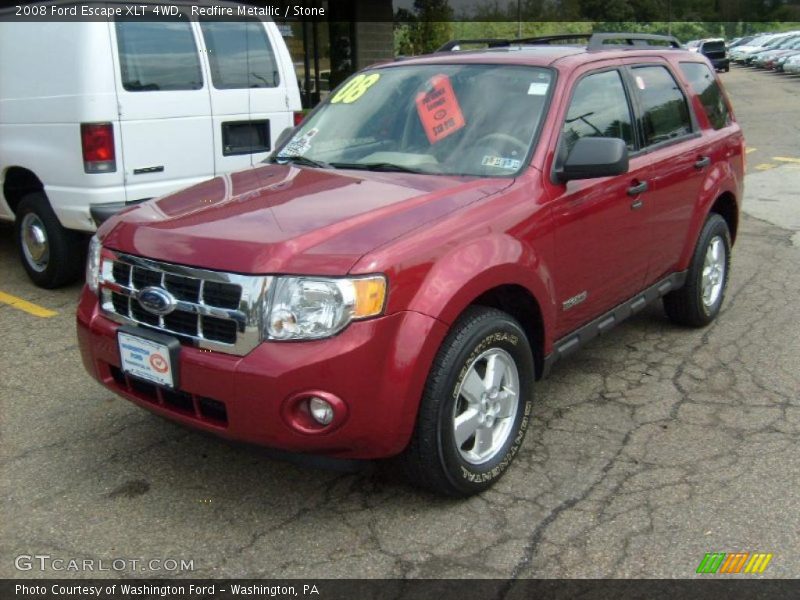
93, 264
310, 308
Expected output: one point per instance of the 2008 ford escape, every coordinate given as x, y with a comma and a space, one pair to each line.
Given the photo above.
422, 249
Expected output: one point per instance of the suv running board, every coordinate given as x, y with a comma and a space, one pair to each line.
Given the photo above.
570, 343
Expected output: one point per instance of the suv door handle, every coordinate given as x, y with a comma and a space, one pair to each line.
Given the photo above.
637, 189
702, 162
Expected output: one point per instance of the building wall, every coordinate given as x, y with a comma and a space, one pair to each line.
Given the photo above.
374, 32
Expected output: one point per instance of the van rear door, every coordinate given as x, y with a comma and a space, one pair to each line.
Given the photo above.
164, 106
248, 92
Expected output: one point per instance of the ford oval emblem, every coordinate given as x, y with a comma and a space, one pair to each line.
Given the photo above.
157, 300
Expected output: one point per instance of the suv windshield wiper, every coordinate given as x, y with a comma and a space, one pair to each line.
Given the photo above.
301, 160
377, 166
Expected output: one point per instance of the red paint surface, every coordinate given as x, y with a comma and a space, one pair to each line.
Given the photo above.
441, 241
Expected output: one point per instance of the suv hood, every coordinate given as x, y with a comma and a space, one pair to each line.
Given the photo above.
288, 219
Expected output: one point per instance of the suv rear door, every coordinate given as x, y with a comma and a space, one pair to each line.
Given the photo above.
601, 240
164, 106
679, 156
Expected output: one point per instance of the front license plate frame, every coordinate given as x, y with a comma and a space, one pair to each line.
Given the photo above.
150, 356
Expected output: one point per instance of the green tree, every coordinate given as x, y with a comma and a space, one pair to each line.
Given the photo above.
425, 29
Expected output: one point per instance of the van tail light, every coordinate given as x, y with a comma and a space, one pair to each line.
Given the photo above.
97, 143
298, 118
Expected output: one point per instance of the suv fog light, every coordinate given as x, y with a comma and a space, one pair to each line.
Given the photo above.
320, 410
314, 412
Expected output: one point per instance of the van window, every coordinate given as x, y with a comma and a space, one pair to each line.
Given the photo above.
599, 108
158, 56
240, 55
665, 113
706, 87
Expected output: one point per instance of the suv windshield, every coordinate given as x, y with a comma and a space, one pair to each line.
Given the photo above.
439, 119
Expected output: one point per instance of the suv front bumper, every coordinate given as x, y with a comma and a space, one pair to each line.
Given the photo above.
377, 368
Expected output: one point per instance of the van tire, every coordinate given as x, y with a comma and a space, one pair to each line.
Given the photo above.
434, 460
50, 254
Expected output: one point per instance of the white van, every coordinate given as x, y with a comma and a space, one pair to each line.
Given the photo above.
95, 116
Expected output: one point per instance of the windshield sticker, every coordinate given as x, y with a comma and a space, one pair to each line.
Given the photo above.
537, 88
501, 162
438, 109
640, 82
355, 88
299, 145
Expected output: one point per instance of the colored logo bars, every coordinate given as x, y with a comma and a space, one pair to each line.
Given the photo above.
734, 562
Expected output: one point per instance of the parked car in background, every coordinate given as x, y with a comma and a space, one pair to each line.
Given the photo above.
766, 58
792, 65
743, 54
715, 51
420, 252
740, 41
739, 51
781, 61
98, 116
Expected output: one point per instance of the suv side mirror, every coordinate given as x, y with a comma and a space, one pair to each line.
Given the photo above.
592, 157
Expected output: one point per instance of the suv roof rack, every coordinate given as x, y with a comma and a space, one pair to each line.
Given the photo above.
598, 40
594, 41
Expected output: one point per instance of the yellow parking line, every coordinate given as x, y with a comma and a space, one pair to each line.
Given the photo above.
749, 150
28, 307
786, 159
765, 166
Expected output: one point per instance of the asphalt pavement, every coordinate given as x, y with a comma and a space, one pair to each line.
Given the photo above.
650, 448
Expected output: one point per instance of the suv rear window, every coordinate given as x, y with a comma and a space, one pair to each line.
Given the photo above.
705, 85
158, 56
665, 113
240, 55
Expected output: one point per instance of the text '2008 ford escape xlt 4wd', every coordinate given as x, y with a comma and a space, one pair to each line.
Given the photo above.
422, 249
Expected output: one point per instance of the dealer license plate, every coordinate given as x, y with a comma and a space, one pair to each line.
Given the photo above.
146, 359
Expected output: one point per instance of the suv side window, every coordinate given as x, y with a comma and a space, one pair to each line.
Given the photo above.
705, 85
599, 108
158, 56
240, 55
665, 112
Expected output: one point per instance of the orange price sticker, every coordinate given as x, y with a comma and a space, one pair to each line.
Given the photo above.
438, 109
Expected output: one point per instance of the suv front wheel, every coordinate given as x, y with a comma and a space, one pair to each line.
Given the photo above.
699, 301
476, 406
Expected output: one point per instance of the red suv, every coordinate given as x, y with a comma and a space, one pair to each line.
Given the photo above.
421, 249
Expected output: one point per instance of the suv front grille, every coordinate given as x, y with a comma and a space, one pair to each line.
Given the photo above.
215, 310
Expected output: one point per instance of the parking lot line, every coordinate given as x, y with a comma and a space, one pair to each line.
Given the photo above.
786, 159
28, 307
749, 150
765, 166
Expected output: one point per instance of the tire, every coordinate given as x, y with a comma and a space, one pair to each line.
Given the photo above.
698, 302
433, 459
50, 254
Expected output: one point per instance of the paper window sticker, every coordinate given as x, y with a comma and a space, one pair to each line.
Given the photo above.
640, 82
537, 88
299, 145
438, 109
501, 162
